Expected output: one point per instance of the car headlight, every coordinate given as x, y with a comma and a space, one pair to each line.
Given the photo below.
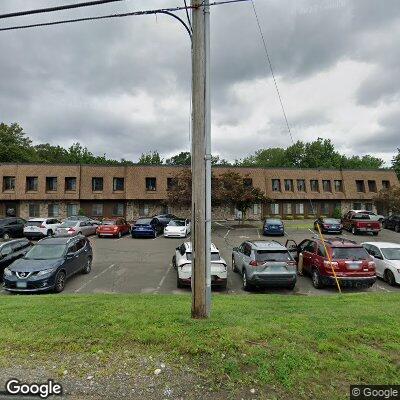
183, 230
7, 272
46, 271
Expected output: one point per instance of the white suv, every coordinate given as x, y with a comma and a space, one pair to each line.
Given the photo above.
182, 262
40, 227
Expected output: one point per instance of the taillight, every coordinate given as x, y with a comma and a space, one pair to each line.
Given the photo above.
326, 226
331, 264
71, 230
291, 264
42, 226
115, 228
255, 263
371, 265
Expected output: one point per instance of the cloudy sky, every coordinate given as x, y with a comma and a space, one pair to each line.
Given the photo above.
122, 87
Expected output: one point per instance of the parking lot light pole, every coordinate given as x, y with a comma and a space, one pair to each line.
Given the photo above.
201, 160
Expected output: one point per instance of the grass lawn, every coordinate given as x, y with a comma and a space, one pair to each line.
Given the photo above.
293, 346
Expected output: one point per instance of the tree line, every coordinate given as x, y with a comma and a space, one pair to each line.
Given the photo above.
16, 146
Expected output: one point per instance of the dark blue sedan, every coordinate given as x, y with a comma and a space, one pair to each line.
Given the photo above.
273, 227
147, 227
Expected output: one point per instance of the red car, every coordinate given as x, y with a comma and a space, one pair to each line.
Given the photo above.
113, 228
356, 222
352, 264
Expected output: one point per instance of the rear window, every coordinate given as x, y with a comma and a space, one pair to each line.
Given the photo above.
108, 222
68, 224
349, 253
361, 216
176, 222
214, 256
267, 255
143, 221
34, 223
330, 221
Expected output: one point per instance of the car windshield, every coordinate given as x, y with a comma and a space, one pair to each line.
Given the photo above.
267, 255
391, 254
214, 256
45, 252
176, 222
273, 222
108, 223
4, 222
330, 221
34, 223
361, 216
68, 224
143, 221
349, 253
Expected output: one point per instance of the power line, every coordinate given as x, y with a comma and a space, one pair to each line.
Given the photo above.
187, 15
272, 70
57, 8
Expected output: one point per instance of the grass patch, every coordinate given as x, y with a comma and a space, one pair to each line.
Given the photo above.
313, 347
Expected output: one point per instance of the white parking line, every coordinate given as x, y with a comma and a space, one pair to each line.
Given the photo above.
258, 233
381, 287
226, 234
95, 277
163, 279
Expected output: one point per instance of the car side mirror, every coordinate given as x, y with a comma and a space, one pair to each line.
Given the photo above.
178, 248
235, 249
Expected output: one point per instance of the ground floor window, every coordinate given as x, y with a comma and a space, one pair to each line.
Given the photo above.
144, 209
287, 208
299, 208
324, 208
368, 206
118, 209
357, 206
274, 208
72, 209
97, 210
53, 210
256, 209
34, 210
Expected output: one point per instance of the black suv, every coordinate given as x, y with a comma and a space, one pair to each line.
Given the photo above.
11, 251
392, 222
11, 227
48, 264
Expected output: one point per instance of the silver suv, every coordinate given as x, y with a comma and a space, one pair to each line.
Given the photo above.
264, 263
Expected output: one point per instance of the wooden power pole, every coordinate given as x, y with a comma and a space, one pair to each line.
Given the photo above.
201, 161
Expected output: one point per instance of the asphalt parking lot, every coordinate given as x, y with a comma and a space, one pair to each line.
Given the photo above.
129, 265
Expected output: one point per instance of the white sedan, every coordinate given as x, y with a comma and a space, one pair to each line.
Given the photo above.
182, 262
387, 260
177, 228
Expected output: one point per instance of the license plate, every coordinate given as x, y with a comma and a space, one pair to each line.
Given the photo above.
353, 266
22, 285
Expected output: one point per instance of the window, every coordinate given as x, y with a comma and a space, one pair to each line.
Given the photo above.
248, 182
53, 210
287, 208
357, 206
326, 185
70, 184
72, 209
118, 209
289, 185
360, 186
256, 209
51, 184
171, 182
385, 184
312, 208
118, 184
276, 185
9, 183
321, 250
372, 186
144, 209
299, 208
151, 184
301, 185
97, 184
368, 206
34, 210
274, 208
97, 210
31, 183
338, 186
324, 208
314, 185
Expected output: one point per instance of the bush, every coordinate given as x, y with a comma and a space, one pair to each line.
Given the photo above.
337, 213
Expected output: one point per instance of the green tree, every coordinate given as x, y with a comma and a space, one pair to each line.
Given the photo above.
396, 163
388, 200
183, 158
151, 158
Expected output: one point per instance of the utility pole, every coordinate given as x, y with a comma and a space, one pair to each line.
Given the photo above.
201, 160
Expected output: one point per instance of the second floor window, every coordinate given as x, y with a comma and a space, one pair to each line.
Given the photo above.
326, 185
314, 185
338, 186
70, 184
372, 186
276, 185
32, 183
289, 185
301, 185
385, 184
97, 184
51, 184
360, 186
151, 184
9, 183
247, 182
118, 184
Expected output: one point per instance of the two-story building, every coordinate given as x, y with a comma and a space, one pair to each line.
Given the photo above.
33, 190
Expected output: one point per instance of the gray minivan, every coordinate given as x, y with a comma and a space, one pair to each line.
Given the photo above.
264, 264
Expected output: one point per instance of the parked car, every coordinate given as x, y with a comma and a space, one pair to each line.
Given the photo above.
165, 218
351, 262
177, 228
392, 222
359, 222
37, 228
373, 216
147, 227
386, 257
182, 262
264, 264
81, 218
273, 227
11, 251
11, 227
113, 228
328, 225
73, 228
48, 264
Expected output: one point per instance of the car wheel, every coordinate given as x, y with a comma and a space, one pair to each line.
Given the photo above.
245, 281
6, 236
49, 233
234, 267
291, 286
178, 283
60, 282
397, 228
389, 277
88, 267
354, 230
316, 279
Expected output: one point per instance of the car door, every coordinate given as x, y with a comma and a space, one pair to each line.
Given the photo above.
13, 228
71, 262
307, 248
7, 257
238, 257
379, 261
246, 255
81, 252
20, 227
